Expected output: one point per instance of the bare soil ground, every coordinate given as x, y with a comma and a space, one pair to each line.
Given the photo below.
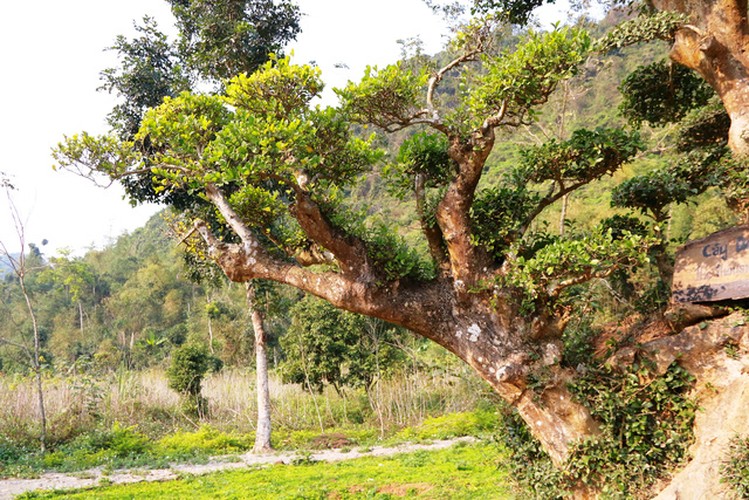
93, 477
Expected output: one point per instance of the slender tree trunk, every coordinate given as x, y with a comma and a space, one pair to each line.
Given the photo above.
563, 215
210, 335
263, 431
36, 363
80, 315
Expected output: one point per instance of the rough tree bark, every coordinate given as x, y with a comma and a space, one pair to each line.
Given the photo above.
715, 44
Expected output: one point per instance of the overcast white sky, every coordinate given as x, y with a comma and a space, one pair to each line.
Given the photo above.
51, 53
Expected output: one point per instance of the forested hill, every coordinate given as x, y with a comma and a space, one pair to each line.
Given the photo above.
132, 302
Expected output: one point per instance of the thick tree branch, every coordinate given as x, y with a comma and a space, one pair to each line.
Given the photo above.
453, 213
418, 307
349, 251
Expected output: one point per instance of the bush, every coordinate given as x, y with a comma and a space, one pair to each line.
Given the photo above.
190, 363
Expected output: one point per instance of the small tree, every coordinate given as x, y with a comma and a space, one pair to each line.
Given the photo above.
190, 363
20, 268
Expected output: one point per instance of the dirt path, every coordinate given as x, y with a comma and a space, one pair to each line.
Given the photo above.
12, 487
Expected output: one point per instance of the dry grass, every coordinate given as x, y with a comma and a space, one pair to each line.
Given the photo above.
76, 404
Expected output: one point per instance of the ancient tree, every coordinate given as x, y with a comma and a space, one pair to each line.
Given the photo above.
274, 167
272, 170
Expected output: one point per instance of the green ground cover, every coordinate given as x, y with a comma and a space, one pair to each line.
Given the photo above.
126, 447
463, 471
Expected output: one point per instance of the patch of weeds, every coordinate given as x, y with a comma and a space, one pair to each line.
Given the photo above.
204, 442
416, 459
330, 441
303, 458
732, 350
734, 470
285, 439
646, 428
476, 423
17, 460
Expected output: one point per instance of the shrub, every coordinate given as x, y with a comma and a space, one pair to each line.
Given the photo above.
190, 362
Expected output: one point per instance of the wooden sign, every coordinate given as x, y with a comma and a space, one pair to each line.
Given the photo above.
713, 268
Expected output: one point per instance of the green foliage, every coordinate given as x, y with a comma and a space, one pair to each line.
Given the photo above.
646, 428
278, 89
565, 262
501, 215
181, 129
652, 192
422, 154
655, 26
325, 345
734, 469
513, 11
389, 97
578, 343
222, 39
149, 70
736, 184
646, 424
516, 81
389, 253
587, 155
106, 154
704, 127
119, 442
662, 93
498, 216
190, 363
217, 40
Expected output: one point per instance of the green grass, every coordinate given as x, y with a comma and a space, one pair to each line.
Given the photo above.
463, 471
122, 447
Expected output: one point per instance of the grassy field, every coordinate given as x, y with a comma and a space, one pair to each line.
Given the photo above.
463, 471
